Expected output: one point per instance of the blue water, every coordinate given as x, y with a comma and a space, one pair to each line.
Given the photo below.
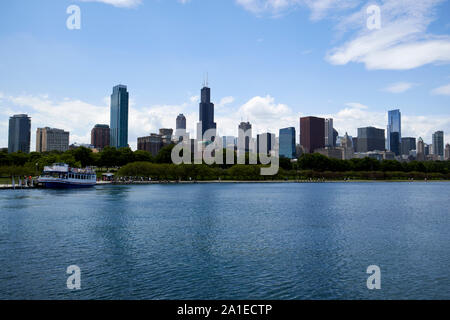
227, 241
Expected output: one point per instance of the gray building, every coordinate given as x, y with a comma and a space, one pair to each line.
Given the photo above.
370, 139
152, 143
329, 133
245, 135
119, 117
265, 142
408, 144
19, 134
51, 139
438, 143
206, 114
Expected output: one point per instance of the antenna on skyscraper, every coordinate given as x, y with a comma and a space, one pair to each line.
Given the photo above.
206, 78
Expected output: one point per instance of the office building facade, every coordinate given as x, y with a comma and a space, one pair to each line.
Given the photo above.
119, 117
52, 139
19, 133
312, 133
265, 142
438, 143
244, 136
370, 139
329, 133
394, 131
206, 115
100, 136
408, 144
287, 143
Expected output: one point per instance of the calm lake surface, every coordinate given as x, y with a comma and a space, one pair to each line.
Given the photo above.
227, 241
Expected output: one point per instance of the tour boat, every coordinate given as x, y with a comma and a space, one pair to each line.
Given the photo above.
60, 175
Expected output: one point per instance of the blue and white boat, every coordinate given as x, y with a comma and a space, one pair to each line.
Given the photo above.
60, 175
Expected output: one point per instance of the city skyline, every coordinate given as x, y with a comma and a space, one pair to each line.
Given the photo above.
278, 80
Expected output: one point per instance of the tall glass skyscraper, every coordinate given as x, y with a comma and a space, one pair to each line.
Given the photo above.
206, 113
19, 133
119, 117
287, 142
394, 131
438, 143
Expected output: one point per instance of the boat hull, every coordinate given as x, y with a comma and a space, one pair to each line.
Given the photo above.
65, 185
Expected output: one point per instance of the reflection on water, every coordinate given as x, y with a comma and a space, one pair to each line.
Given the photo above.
227, 241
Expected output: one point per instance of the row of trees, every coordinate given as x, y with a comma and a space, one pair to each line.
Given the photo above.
33, 163
189, 172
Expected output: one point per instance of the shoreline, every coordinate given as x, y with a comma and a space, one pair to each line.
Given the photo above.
10, 187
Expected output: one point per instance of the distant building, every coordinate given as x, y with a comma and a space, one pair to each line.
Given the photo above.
329, 133
51, 139
420, 155
287, 143
100, 136
206, 114
119, 117
331, 152
438, 143
180, 129
244, 135
447, 152
265, 142
166, 136
152, 143
394, 131
347, 146
19, 134
407, 145
355, 143
312, 133
335, 135
370, 139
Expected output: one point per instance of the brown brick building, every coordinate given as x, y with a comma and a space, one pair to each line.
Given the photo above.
100, 136
312, 133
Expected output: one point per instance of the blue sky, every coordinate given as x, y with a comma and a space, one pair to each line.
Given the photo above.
269, 62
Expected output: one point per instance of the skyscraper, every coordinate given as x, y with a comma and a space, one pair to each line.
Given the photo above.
244, 135
312, 133
420, 155
19, 133
287, 142
394, 131
329, 133
119, 117
370, 139
438, 143
408, 144
447, 152
51, 139
100, 136
206, 114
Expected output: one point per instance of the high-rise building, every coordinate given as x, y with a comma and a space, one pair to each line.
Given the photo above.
152, 143
19, 134
265, 142
180, 129
447, 152
370, 139
100, 136
408, 144
166, 136
329, 133
438, 143
347, 147
287, 143
51, 139
420, 154
206, 114
244, 135
312, 133
119, 117
394, 131
335, 135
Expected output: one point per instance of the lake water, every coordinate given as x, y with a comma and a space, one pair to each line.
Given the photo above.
227, 241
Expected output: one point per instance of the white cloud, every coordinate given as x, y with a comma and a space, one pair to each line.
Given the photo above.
399, 87
224, 101
443, 90
356, 105
119, 3
401, 43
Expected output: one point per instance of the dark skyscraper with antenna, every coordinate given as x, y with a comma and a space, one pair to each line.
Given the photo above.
206, 111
